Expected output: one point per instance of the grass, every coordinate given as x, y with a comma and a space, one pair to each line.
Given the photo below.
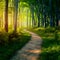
11, 42
51, 43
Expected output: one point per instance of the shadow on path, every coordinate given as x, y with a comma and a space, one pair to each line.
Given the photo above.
31, 50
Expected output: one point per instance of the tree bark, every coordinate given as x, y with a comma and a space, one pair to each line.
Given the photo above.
32, 12
38, 13
51, 15
57, 13
42, 13
15, 14
27, 18
6, 15
38, 19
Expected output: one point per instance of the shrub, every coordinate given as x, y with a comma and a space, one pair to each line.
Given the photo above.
3, 38
51, 55
56, 35
13, 37
50, 30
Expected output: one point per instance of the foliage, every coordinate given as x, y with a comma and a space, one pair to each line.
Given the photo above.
11, 42
41, 13
3, 38
50, 45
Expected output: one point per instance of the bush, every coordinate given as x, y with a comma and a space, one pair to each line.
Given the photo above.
3, 38
57, 28
6, 38
51, 43
50, 30
13, 37
15, 42
51, 55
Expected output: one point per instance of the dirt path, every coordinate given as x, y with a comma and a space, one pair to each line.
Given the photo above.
31, 50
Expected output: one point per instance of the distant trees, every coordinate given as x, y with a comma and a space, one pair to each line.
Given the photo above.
49, 10
42, 13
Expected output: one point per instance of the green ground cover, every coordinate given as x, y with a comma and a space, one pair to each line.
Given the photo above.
50, 44
11, 42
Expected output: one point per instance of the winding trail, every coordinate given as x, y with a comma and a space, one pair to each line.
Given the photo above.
31, 50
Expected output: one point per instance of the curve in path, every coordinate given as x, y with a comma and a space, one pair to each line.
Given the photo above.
31, 50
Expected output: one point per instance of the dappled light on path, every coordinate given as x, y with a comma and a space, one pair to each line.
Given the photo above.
31, 50
34, 51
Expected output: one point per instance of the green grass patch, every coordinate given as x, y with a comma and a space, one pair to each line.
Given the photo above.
11, 42
51, 43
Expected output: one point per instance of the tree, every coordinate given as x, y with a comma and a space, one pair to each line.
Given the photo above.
51, 16
57, 12
27, 18
6, 15
15, 14
38, 12
42, 12
32, 13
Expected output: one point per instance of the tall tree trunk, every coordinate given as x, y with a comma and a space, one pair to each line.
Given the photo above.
42, 21
51, 16
32, 12
30, 19
57, 13
27, 18
38, 13
15, 14
45, 20
6, 15
43, 13
38, 19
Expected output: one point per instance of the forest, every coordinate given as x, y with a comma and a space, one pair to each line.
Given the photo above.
20, 20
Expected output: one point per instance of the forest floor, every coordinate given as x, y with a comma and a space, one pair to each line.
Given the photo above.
51, 43
31, 50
